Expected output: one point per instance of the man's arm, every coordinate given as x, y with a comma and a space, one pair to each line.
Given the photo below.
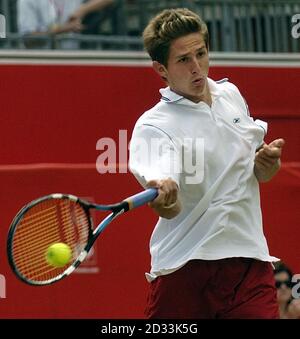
88, 7
267, 160
167, 205
70, 26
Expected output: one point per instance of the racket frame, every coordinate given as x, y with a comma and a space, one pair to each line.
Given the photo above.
116, 210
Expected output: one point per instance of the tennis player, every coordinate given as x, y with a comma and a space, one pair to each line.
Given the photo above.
210, 258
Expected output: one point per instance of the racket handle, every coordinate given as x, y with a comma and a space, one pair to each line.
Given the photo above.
142, 198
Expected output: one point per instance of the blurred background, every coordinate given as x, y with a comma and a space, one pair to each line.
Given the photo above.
73, 72
234, 25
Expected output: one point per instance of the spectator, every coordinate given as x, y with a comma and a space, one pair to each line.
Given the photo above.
105, 21
283, 280
37, 18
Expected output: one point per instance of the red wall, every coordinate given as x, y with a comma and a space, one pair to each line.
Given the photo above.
56, 114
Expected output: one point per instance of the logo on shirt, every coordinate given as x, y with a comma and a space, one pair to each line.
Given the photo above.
236, 120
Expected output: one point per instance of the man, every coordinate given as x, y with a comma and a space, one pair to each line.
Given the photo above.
205, 155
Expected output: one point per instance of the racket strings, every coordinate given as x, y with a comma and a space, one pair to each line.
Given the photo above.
51, 221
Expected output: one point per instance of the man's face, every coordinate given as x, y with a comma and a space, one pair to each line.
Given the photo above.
188, 66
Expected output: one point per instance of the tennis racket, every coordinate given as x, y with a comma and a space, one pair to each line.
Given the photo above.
57, 218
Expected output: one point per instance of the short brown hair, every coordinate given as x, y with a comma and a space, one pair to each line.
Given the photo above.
167, 26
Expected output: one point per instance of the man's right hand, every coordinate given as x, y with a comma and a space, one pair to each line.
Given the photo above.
167, 204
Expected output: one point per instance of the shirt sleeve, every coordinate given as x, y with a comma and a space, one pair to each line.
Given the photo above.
153, 155
263, 125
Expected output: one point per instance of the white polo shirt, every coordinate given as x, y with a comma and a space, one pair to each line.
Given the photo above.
209, 152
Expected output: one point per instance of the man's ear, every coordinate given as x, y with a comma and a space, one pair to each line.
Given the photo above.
160, 69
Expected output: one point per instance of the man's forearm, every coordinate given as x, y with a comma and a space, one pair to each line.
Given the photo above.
91, 6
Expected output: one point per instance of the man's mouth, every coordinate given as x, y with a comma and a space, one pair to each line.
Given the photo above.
199, 81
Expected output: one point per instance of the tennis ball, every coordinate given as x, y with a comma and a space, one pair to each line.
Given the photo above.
58, 254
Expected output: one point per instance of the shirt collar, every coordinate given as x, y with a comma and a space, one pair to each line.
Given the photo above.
167, 95
214, 87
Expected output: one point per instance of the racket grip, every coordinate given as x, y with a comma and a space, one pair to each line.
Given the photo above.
142, 198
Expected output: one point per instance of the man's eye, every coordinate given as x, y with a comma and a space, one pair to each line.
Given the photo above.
183, 60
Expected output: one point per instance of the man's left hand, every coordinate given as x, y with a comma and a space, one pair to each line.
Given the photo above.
267, 160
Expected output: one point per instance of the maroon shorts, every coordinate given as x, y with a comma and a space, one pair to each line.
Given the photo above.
232, 288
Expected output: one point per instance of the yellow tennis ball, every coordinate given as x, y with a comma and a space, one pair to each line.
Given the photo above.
58, 254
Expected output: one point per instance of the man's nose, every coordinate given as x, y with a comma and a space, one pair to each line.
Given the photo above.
195, 67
